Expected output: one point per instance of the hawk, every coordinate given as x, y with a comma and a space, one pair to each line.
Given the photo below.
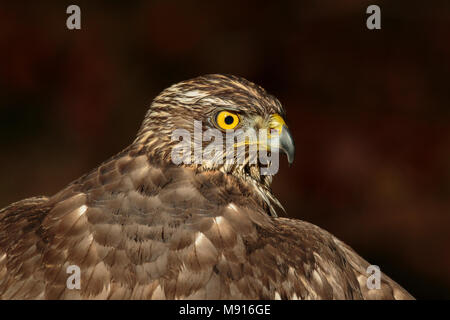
140, 226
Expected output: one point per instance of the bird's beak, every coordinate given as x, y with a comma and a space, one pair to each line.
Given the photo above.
286, 142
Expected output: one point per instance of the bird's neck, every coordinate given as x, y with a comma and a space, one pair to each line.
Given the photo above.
155, 148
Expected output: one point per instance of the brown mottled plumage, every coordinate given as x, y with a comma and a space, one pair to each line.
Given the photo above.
141, 227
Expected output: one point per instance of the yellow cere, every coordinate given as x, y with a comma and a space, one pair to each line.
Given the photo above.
277, 122
227, 120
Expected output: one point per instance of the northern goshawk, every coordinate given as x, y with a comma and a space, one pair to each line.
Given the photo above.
140, 226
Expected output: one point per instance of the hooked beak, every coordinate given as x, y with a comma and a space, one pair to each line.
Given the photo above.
286, 142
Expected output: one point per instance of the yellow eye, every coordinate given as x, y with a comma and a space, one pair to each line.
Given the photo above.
227, 120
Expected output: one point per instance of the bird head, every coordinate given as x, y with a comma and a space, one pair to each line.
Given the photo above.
196, 114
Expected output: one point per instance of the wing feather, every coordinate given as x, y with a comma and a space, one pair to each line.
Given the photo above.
139, 230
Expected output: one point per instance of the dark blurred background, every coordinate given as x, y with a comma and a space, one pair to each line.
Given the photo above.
369, 110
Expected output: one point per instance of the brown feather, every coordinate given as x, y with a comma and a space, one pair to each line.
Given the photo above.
140, 227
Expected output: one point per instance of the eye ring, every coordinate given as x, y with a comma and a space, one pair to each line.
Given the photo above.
227, 120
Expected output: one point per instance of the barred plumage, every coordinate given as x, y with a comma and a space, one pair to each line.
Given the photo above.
141, 227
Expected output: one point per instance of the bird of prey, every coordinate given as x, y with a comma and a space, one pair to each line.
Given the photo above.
140, 226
